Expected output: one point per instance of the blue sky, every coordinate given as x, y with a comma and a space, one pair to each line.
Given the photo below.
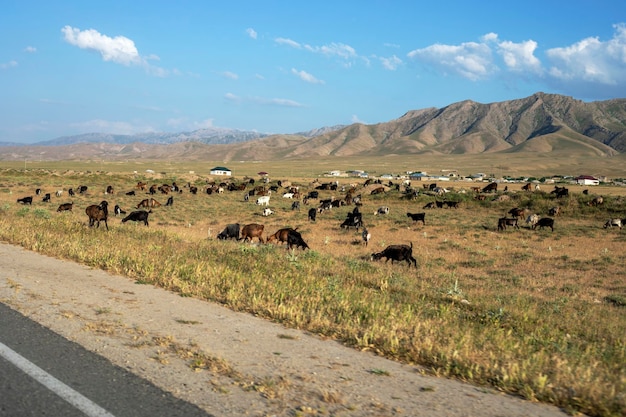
72, 67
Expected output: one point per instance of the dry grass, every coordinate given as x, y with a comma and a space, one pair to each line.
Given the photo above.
537, 313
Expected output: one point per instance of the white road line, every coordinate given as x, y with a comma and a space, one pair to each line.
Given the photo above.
78, 400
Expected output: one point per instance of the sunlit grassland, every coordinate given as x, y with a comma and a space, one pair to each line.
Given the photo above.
532, 312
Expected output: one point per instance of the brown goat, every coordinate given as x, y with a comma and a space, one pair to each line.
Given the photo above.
251, 231
148, 203
97, 213
65, 207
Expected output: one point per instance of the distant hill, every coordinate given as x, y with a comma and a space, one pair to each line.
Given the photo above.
539, 123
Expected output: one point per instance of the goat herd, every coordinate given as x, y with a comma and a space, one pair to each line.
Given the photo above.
97, 213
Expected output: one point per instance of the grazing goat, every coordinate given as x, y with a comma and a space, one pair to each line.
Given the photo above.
71, 192
231, 231
117, 210
554, 211
131, 192
430, 205
378, 190
250, 231
109, 189
490, 188
288, 195
417, 217
366, 236
382, 210
295, 205
613, 223
518, 212
38, 191
82, 189
294, 238
532, 220
353, 219
97, 213
267, 211
504, 222
451, 204
149, 203
312, 214
66, 207
597, 201
397, 253
59, 193
545, 222
263, 200
137, 216
560, 191
25, 200
170, 201
279, 236
46, 198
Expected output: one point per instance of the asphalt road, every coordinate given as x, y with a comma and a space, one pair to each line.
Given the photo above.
44, 374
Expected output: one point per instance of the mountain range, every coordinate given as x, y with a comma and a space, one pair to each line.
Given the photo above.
539, 123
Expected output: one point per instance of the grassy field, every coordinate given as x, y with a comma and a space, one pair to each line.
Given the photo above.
531, 312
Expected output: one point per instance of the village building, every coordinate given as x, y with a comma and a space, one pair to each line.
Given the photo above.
220, 171
586, 180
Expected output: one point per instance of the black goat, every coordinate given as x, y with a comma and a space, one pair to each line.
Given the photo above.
294, 238
137, 216
397, 253
545, 222
312, 214
97, 213
118, 210
417, 217
231, 231
170, 201
25, 200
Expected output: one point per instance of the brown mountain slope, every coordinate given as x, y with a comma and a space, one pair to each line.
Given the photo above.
546, 123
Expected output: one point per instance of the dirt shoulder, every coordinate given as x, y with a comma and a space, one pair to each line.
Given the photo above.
230, 364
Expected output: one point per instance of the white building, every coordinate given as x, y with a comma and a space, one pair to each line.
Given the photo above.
221, 171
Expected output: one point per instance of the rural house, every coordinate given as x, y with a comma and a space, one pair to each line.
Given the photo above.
586, 180
220, 171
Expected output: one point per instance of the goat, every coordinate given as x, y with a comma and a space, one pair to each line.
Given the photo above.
170, 201
66, 207
279, 236
451, 204
366, 236
109, 189
59, 193
267, 211
397, 253
263, 200
597, 201
82, 189
71, 192
288, 195
613, 223
25, 200
295, 205
560, 191
490, 188
354, 219
382, 210
294, 238
545, 222
46, 198
38, 191
149, 203
231, 231
250, 231
138, 216
518, 212
417, 217
117, 210
532, 220
504, 222
378, 190
554, 211
312, 214
97, 213
131, 192
430, 205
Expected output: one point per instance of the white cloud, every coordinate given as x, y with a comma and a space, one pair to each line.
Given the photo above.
252, 33
470, 60
355, 119
106, 126
203, 124
30, 49
591, 60
232, 97
7, 65
305, 76
230, 75
520, 57
391, 63
119, 49
334, 49
288, 42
